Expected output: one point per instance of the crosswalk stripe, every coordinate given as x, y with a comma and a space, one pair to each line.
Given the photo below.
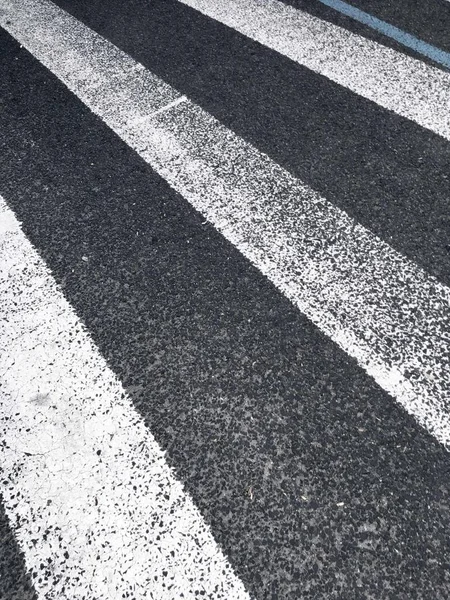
408, 40
376, 305
388, 173
95, 507
393, 80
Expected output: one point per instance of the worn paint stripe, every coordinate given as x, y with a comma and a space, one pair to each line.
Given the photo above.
406, 39
397, 82
375, 304
96, 509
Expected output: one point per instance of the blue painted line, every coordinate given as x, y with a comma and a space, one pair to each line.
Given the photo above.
440, 56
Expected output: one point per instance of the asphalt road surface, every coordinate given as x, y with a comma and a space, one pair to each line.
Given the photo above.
224, 299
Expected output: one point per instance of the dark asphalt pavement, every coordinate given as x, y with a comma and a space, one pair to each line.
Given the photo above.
390, 174
428, 21
314, 482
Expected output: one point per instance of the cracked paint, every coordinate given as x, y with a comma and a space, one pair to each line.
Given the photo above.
96, 509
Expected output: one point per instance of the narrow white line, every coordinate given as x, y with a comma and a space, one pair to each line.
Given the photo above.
94, 505
143, 119
379, 307
393, 80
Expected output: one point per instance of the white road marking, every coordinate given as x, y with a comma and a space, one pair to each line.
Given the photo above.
379, 307
399, 35
96, 509
402, 84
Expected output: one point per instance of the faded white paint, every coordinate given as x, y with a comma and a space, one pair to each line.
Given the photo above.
405, 85
379, 307
85, 485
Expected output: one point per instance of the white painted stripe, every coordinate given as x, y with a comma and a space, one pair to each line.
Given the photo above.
379, 307
399, 35
393, 80
86, 487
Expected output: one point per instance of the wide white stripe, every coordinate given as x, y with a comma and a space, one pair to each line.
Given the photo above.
379, 307
94, 505
393, 80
